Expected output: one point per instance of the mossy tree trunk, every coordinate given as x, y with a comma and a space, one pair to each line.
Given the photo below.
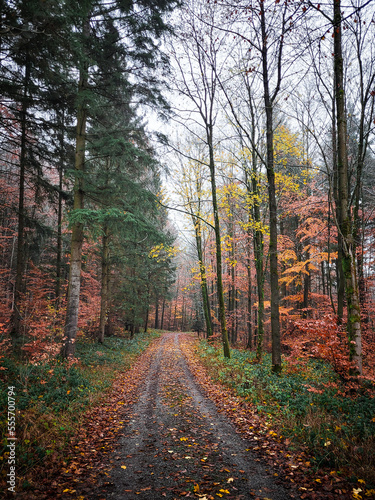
345, 222
71, 320
274, 278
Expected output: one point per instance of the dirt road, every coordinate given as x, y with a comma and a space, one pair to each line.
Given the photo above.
176, 444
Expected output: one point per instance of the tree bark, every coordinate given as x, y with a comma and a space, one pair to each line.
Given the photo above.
344, 219
219, 270
20, 252
162, 314
104, 288
202, 271
157, 312
274, 280
71, 321
339, 270
249, 343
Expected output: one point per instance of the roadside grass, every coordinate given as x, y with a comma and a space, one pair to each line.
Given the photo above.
52, 397
309, 405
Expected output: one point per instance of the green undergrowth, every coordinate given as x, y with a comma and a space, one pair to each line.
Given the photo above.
308, 403
51, 397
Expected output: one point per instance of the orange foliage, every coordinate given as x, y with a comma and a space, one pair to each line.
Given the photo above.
323, 339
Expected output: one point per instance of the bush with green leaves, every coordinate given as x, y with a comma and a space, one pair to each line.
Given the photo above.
308, 403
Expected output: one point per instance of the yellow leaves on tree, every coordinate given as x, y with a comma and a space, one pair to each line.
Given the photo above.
162, 252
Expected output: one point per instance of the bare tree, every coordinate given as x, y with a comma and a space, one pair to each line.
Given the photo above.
197, 64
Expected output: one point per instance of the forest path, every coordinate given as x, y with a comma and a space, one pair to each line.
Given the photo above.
175, 443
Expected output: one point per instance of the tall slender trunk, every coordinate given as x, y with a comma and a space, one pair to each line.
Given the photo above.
307, 286
104, 288
339, 270
322, 270
232, 287
77, 230
249, 343
59, 213
363, 139
202, 271
274, 279
146, 319
162, 314
345, 219
157, 312
219, 270
329, 281
20, 252
258, 242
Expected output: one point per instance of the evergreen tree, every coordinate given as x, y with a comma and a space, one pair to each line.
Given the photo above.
109, 39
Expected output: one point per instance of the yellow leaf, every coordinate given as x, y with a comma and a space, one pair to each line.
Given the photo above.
196, 488
362, 481
318, 480
123, 466
183, 439
224, 491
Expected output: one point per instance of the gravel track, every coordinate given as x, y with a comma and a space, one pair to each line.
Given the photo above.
176, 444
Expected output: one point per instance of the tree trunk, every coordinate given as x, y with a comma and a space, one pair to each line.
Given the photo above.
77, 230
344, 219
339, 271
258, 243
202, 270
274, 280
249, 344
307, 286
20, 252
219, 271
59, 214
157, 312
146, 320
104, 288
162, 314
